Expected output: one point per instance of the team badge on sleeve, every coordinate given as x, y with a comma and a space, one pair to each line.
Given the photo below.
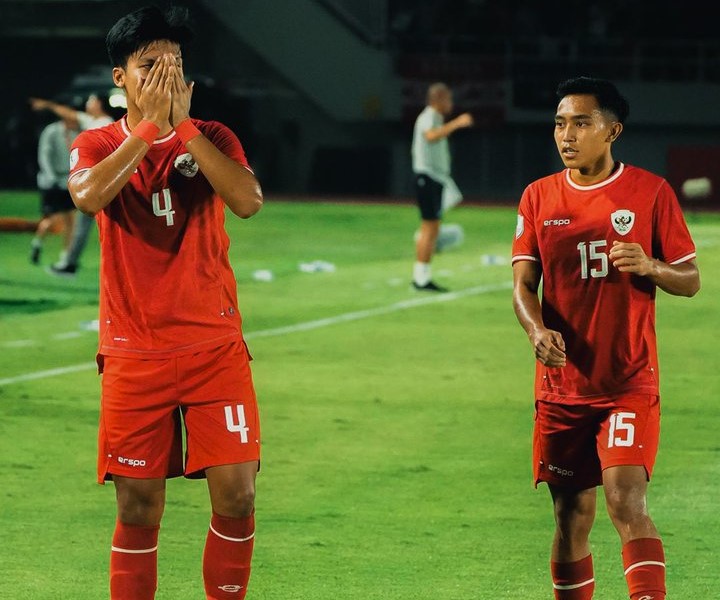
622, 221
520, 227
74, 158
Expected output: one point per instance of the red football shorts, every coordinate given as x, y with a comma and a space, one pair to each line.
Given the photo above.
146, 403
574, 443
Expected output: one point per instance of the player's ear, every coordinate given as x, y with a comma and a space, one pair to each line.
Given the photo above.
615, 131
118, 75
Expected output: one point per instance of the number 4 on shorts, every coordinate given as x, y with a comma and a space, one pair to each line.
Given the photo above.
237, 427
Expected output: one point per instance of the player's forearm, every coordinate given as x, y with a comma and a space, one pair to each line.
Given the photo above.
679, 280
235, 184
526, 302
93, 189
527, 309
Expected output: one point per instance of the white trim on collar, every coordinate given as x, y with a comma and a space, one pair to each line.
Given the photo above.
594, 186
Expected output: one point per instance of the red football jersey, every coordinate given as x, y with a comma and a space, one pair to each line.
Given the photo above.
166, 284
607, 318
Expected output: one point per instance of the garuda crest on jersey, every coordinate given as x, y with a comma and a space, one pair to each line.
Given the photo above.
622, 221
186, 164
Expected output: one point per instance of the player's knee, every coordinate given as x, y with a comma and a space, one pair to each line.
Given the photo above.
625, 508
140, 507
238, 502
139, 503
574, 515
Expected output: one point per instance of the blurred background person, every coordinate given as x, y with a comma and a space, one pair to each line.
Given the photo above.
435, 188
97, 113
57, 207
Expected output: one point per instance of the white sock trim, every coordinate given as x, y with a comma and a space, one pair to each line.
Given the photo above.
573, 586
128, 551
231, 539
643, 563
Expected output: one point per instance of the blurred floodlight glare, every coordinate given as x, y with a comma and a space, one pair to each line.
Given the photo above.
699, 187
117, 99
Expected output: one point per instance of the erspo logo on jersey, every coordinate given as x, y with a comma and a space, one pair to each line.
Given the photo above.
556, 222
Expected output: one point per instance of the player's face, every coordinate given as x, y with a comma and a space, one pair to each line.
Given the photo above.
139, 64
584, 135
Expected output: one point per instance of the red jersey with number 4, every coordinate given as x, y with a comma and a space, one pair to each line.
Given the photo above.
166, 284
607, 318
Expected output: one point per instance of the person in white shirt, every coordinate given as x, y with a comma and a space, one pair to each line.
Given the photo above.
435, 188
57, 207
96, 114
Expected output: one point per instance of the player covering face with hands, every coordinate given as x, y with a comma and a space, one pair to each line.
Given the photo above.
171, 349
602, 236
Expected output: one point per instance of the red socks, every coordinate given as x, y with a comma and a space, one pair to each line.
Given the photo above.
227, 556
573, 580
133, 562
644, 561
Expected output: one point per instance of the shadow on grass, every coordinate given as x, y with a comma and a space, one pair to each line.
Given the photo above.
22, 305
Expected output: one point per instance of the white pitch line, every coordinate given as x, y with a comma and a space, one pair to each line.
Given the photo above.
306, 326
19, 344
381, 310
68, 335
47, 373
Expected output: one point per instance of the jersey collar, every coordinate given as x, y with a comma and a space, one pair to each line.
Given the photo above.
162, 140
594, 186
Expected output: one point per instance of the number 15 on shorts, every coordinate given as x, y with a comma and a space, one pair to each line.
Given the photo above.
622, 431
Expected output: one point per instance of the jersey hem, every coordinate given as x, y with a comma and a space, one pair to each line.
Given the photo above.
557, 398
164, 354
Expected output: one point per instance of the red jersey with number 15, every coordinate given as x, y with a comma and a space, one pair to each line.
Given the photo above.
166, 284
607, 318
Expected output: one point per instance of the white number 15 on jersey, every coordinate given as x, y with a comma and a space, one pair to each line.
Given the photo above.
591, 251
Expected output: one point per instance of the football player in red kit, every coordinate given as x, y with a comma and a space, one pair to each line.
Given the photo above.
171, 348
602, 236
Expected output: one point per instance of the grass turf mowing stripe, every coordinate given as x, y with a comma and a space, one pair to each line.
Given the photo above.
306, 326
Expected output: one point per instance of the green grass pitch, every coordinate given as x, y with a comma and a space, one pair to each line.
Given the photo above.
396, 438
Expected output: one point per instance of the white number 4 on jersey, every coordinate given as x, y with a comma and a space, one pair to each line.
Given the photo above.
166, 210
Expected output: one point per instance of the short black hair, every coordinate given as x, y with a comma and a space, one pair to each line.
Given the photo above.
607, 95
142, 27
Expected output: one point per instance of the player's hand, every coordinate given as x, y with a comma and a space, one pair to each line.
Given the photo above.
181, 94
549, 347
464, 120
629, 257
154, 95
